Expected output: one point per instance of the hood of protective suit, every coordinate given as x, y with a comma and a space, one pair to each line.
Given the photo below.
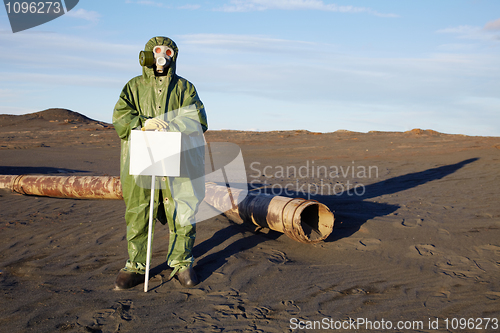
149, 71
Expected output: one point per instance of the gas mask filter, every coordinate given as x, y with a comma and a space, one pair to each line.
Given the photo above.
160, 56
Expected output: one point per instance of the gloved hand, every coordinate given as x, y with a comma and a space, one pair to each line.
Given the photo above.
155, 124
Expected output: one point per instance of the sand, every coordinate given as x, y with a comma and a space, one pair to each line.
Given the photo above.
417, 243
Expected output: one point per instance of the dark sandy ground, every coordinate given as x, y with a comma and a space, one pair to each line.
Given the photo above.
419, 242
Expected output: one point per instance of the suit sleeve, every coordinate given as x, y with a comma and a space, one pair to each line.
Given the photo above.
126, 115
190, 118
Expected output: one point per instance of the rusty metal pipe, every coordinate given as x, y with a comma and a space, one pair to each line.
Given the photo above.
79, 187
306, 221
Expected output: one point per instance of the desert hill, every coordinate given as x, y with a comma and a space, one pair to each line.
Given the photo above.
53, 115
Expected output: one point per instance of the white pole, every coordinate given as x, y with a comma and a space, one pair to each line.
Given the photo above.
150, 233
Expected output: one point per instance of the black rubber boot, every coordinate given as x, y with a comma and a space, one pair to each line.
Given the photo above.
187, 277
127, 280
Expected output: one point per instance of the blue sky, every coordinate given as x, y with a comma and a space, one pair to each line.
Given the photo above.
317, 65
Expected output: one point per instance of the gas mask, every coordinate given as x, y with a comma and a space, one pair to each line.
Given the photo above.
160, 56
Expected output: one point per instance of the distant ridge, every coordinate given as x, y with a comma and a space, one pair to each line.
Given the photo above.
51, 115
65, 116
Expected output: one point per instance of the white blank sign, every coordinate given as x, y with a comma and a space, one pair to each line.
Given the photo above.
155, 153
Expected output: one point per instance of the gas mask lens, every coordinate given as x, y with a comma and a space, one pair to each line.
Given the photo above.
165, 50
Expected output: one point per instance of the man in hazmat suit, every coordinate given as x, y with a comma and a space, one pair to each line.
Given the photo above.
159, 99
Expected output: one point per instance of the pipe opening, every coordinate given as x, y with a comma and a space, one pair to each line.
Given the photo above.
316, 222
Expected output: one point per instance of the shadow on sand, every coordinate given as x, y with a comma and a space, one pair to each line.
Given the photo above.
353, 211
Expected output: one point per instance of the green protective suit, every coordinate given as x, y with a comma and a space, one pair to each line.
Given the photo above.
175, 100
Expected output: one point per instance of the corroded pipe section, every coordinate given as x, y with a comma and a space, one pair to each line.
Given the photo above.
306, 221
79, 187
